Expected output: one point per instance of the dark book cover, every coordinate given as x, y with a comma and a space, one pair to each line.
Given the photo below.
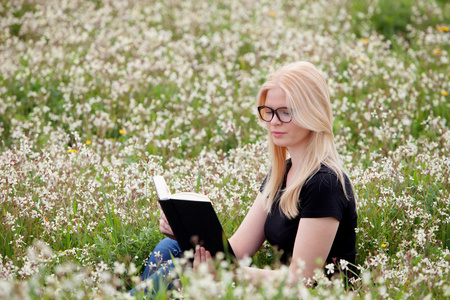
193, 220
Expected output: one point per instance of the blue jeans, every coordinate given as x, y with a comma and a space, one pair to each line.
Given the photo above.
158, 266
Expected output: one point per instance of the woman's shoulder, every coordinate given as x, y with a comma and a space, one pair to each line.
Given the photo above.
327, 172
327, 178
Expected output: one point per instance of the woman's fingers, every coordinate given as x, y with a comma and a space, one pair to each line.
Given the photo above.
165, 229
201, 255
197, 257
208, 255
163, 216
164, 226
205, 255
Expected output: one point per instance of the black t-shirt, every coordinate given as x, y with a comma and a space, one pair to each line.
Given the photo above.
321, 196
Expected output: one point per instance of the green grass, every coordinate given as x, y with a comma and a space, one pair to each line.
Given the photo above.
170, 89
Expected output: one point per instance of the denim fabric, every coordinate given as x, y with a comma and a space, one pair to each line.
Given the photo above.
159, 265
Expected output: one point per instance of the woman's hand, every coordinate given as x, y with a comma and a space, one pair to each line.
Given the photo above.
202, 256
165, 228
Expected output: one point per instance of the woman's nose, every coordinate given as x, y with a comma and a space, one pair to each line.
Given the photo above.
275, 119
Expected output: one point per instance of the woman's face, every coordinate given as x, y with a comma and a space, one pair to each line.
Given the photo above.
289, 135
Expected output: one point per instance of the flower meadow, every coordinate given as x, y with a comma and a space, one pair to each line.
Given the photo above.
98, 96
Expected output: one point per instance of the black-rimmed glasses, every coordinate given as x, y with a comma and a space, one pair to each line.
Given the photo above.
266, 113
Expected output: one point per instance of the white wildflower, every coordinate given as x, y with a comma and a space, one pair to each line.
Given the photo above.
330, 268
119, 268
343, 264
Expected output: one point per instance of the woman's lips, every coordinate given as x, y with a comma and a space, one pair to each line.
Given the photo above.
277, 133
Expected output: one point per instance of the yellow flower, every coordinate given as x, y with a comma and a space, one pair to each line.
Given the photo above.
383, 245
73, 150
272, 14
366, 41
443, 28
88, 142
436, 51
444, 93
121, 131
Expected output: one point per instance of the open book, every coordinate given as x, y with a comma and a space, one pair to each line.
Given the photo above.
193, 220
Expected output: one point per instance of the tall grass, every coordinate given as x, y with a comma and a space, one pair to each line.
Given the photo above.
98, 96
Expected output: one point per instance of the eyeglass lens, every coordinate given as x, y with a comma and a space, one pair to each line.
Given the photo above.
283, 114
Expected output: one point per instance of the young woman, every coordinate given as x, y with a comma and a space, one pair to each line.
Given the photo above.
305, 206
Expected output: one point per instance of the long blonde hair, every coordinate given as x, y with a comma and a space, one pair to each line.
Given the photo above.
307, 95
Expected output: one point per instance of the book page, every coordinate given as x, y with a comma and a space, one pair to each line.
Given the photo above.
161, 188
190, 197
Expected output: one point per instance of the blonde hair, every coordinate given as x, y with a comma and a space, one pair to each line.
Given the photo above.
307, 95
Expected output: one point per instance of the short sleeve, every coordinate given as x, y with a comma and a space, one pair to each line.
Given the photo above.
323, 196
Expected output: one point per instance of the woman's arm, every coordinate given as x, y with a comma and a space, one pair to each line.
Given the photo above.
313, 242
312, 245
250, 235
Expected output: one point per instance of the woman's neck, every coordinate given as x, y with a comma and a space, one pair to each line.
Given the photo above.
296, 162
297, 155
